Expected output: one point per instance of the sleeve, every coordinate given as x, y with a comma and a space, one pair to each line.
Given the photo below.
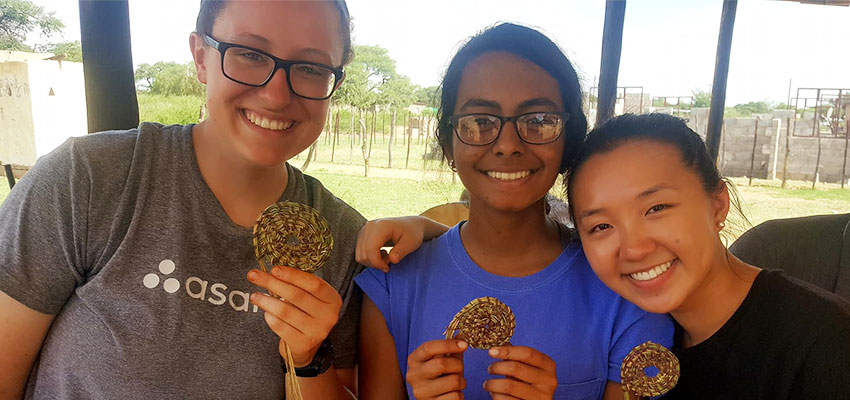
825, 373
657, 328
43, 232
375, 285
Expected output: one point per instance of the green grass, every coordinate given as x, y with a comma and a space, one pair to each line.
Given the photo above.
169, 109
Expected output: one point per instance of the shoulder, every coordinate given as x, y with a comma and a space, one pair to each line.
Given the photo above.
787, 300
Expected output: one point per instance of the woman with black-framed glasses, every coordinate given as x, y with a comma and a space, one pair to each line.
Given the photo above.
125, 254
510, 120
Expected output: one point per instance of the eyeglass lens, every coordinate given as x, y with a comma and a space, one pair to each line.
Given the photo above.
253, 68
535, 128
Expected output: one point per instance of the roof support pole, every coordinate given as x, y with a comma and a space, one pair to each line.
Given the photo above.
721, 73
108, 65
612, 44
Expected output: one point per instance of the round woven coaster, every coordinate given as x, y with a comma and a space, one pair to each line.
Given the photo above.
292, 235
633, 375
483, 323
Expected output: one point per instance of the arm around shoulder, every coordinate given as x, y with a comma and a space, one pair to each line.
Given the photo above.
22, 331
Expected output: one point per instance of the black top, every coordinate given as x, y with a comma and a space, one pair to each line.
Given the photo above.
787, 340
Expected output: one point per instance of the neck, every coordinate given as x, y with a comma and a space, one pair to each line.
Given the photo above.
716, 299
242, 189
511, 243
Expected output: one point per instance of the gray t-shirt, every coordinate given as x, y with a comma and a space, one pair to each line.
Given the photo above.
118, 235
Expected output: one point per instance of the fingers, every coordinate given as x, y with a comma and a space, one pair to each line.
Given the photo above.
297, 287
444, 387
407, 242
501, 396
529, 374
405, 234
304, 317
435, 369
370, 239
510, 389
523, 354
428, 350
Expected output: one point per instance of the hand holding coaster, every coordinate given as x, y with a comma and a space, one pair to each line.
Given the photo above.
483, 323
292, 235
633, 375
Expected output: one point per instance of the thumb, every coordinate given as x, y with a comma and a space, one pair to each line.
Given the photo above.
404, 246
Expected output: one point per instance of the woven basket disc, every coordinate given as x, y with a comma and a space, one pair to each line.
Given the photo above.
634, 378
292, 235
483, 323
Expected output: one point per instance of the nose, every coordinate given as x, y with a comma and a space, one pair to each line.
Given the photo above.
635, 245
508, 143
277, 92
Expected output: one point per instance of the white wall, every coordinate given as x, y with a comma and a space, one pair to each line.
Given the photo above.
17, 144
62, 115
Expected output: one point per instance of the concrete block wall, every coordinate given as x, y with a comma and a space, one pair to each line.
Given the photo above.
736, 147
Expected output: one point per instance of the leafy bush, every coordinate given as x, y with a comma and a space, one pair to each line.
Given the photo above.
169, 109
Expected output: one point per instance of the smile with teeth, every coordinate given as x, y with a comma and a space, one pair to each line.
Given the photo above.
266, 123
652, 273
508, 176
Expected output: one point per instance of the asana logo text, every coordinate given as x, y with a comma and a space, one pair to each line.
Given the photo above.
196, 288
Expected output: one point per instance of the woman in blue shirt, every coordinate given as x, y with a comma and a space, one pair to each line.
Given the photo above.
510, 121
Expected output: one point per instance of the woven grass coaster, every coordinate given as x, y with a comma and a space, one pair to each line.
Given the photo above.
633, 375
297, 236
484, 323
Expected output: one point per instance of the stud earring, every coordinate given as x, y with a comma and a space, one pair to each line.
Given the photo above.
452, 165
721, 224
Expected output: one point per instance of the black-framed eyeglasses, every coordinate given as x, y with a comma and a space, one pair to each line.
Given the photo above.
533, 128
252, 67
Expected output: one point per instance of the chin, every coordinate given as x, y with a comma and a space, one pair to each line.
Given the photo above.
658, 305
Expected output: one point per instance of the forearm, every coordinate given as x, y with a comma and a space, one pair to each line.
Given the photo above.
325, 386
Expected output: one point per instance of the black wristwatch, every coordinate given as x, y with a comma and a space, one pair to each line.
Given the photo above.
322, 360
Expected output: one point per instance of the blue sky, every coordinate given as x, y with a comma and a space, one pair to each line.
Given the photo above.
669, 46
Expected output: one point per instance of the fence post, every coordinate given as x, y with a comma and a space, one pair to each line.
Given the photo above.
788, 132
753, 154
9, 175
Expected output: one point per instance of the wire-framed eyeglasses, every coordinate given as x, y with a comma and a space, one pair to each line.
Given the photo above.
481, 129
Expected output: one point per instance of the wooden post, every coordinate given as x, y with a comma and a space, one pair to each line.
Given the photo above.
335, 137
788, 131
753, 154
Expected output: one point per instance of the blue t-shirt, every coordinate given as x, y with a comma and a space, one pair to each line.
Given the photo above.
563, 311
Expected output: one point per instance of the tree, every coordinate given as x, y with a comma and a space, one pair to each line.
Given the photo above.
20, 17
428, 95
169, 79
67, 51
702, 98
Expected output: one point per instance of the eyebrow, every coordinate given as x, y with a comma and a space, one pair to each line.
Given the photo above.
476, 102
643, 194
265, 42
535, 102
538, 101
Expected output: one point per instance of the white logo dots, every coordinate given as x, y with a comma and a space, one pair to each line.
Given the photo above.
166, 267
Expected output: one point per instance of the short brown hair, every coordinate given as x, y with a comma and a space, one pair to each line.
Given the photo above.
210, 10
